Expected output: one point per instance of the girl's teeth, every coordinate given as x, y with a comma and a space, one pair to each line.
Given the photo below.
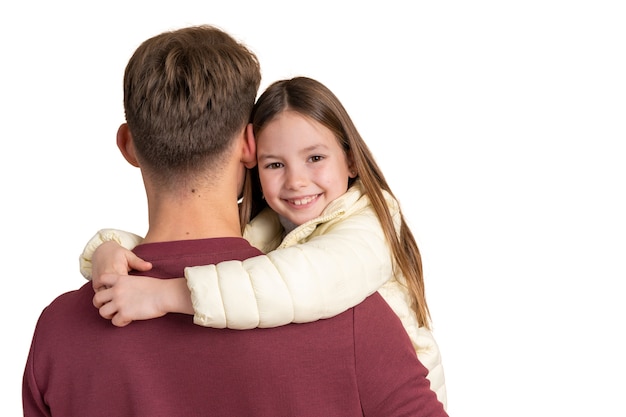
302, 201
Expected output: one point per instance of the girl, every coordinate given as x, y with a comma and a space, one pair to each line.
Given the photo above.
323, 213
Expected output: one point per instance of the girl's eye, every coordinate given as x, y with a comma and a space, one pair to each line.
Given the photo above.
274, 165
316, 158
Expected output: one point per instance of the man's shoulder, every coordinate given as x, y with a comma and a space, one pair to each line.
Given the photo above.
68, 306
375, 320
375, 303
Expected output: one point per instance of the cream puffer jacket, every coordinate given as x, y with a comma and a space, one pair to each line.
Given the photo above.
320, 269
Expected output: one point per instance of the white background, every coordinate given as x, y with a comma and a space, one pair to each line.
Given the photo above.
500, 126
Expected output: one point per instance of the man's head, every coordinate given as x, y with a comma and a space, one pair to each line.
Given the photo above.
187, 94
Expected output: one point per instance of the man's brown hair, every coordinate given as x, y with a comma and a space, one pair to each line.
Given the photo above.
187, 93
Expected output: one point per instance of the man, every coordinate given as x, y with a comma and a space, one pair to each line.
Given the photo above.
187, 96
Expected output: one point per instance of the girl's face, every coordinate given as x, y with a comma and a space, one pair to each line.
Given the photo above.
302, 168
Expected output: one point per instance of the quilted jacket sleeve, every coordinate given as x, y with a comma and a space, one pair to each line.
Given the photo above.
340, 264
125, 239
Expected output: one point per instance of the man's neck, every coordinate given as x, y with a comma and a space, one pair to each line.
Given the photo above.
192, 217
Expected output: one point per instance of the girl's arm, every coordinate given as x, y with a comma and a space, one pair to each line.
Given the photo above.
323, 277
122, 298
124, 239
126, 298
333, 271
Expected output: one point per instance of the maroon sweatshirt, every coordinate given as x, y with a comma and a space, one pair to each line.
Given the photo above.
360, 362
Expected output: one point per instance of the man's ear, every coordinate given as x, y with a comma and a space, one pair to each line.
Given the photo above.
248, 155
126, 145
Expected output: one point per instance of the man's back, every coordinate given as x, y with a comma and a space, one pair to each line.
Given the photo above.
171, 367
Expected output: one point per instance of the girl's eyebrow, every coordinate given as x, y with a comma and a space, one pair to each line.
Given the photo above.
308, 149
260, 157
314, 148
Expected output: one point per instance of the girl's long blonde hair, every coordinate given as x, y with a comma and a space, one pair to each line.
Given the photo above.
314, 100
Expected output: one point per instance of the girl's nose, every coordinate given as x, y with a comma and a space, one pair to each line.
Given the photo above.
295, 179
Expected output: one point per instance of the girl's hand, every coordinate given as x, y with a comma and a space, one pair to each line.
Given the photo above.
124, 298
111, 258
